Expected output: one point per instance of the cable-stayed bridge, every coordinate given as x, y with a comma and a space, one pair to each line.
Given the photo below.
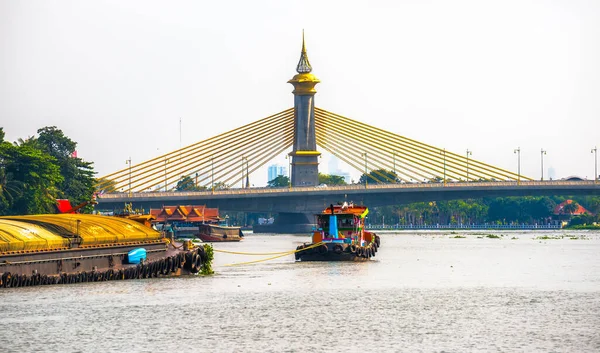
400, 169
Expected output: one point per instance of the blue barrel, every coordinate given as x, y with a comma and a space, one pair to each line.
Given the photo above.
136, 255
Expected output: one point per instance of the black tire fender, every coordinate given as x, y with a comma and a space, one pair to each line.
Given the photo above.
323, 249
338, 249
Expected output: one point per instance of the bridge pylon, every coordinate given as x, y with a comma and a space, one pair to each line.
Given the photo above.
304, 155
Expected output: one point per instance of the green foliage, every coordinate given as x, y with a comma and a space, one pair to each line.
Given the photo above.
186, 183
279, 181
503, 210
79, 183
571, 207
331, 179
379, 176
206, 267
221, 186
583, 220
29, 180
36, 171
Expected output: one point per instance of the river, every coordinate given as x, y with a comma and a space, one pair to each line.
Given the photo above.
426, 291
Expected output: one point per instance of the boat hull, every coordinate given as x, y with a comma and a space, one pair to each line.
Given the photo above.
97, 263
210, 233
212, 238
335, 252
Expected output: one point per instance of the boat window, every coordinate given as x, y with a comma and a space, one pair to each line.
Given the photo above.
346, 222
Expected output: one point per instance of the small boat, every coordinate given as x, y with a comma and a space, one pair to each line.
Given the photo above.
209, 233
340, 236
196, 221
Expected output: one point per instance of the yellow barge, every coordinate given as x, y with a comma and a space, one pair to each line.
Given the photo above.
73, 248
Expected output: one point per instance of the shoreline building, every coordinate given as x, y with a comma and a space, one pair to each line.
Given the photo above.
275, 170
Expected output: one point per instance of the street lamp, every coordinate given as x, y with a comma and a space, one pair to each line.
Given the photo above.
366, 177
518, 152
129, 162
469, 153
247, 174
595, 152
542, 155
289, 158
444, 153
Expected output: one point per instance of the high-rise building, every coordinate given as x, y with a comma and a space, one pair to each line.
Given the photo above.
335, 170
275, 170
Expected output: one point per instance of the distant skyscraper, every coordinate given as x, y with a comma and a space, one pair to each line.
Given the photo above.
275, 170
335, 170
345, 175
551, 173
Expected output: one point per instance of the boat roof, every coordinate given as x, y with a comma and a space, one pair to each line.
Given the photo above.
346, 209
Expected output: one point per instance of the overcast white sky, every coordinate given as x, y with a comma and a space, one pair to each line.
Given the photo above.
491, 76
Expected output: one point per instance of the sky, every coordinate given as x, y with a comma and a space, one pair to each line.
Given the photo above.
488, 76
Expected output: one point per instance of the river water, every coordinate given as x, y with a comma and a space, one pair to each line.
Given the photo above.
423, 292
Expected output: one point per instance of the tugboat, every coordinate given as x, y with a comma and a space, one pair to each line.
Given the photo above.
340, 236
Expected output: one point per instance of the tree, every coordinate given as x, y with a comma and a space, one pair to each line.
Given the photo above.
10, 189
331, 179
379, 176
37, 176
571, 207
78, 184
221, 186
279, 181
186, 183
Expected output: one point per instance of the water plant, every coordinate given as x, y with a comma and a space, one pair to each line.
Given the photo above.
206, 267
492, 236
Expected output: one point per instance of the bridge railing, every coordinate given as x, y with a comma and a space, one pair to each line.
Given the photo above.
304, 189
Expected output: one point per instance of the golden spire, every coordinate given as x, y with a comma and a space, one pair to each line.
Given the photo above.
303, 65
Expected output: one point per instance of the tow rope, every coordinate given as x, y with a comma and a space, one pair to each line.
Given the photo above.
278, 254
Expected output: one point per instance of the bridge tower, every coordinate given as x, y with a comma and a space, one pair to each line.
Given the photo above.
305, 157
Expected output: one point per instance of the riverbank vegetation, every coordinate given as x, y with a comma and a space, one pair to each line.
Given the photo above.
501, 210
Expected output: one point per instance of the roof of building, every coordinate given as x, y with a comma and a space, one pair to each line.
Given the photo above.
560, 209
186, 213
